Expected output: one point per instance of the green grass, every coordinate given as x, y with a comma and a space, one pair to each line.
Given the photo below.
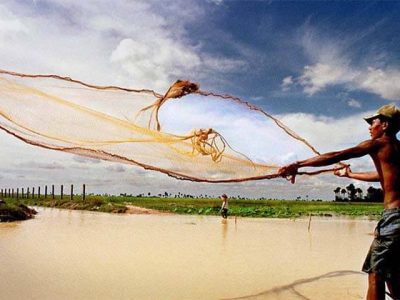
92, 203
202, 206
260, 208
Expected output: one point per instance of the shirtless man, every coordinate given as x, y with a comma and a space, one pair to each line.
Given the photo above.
383, 260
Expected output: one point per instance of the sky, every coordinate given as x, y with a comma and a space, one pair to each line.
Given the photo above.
319, 66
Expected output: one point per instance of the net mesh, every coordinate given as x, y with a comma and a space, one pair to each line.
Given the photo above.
123, 125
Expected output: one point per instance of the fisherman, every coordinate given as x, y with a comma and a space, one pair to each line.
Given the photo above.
383, 260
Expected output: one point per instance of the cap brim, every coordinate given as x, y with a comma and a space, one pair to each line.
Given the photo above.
370, 118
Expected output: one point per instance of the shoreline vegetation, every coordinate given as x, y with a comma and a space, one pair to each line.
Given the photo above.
16, 209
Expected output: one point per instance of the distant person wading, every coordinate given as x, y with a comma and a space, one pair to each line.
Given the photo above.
225, 206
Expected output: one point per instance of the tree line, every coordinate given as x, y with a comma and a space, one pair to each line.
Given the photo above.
351, 193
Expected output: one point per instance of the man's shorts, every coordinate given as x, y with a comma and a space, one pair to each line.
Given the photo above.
384, 255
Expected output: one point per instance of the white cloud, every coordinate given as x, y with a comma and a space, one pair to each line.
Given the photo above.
154, 62
116, 168
10, 25
33, 165
217, 2
286, 83
354, 103
329, 134
378, 81
142, 44
223, 64
318, 76
85, 160
332, 63
384, 83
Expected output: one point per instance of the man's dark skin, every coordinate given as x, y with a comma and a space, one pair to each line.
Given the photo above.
384, 149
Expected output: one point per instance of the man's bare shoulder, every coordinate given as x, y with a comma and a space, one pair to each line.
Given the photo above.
378, 142
386, 140
388, 147
366, 147
370, 144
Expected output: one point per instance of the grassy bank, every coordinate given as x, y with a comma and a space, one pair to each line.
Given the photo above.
91, 203
202, 206
11, 210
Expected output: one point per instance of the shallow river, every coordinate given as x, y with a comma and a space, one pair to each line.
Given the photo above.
64, 254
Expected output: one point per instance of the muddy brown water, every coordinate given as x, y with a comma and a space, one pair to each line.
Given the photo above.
63, 254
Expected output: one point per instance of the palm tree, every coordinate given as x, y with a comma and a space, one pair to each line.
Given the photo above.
374, 195
351, 191
359, 194
337, 193
343, 192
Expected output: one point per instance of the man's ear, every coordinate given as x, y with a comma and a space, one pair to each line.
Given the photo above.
385, 125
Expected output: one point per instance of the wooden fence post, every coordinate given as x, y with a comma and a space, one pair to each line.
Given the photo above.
15, 193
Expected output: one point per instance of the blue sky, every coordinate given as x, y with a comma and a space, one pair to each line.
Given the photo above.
286, 37
317, 65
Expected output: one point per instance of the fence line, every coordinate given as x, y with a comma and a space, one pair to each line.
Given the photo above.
14, 193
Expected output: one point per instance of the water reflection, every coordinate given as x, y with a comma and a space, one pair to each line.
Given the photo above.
65, 254
224, 223
291, 290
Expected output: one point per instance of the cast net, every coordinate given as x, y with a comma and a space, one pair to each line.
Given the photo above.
148, 129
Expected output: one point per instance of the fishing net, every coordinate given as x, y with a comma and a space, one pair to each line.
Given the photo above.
126, 125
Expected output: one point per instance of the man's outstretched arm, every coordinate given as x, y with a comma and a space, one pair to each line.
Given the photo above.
329, 158
364, 176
